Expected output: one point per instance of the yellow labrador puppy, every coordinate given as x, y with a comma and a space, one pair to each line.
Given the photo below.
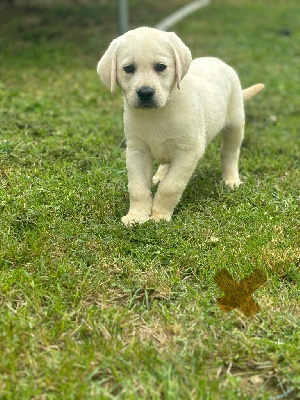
173, 108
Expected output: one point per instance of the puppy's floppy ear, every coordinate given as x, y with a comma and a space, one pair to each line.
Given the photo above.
107, 66
182, 57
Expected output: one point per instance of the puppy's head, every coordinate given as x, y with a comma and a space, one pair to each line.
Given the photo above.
146, 63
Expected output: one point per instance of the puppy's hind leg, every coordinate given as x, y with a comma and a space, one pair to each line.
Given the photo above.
160, 173
232, 137
171, 187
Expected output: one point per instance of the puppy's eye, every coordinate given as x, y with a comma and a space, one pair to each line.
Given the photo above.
160, 67
129, 69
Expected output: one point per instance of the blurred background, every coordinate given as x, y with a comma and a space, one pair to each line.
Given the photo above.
258, 38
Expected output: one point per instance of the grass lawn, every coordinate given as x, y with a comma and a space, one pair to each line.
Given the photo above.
93, 310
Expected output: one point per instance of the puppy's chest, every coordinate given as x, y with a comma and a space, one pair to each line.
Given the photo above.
161, 133
162, 150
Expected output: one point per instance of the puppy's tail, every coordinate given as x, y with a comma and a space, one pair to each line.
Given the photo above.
252, 91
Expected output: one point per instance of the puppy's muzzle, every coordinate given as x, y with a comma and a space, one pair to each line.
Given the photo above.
146, 96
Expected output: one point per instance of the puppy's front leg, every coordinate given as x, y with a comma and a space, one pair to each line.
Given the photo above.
140, 168
171, 187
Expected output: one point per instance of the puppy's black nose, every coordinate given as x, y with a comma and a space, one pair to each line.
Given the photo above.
145, 93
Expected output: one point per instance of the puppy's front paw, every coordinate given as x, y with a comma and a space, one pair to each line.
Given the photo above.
160, 216
233, 183
132, 219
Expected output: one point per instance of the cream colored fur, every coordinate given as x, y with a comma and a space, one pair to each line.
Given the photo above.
171, 116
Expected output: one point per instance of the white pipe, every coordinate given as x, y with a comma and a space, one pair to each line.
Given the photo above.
180, 14
123, 19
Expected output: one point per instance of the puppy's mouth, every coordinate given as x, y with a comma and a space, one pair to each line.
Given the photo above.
147, 105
